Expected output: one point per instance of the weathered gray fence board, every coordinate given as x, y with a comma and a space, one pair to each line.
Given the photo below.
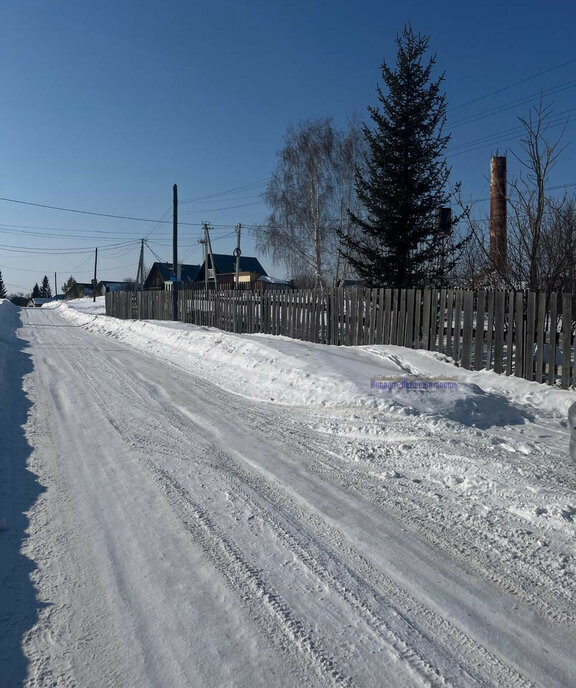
466, 359
528, 372
553, 338
490, 330
566, 339
449, 324
457, 317
479, 338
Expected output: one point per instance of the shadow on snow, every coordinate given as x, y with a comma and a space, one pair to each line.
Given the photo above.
19, 491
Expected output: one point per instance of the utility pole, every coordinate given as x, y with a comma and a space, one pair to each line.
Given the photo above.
140, 272
175, 252
203, 242
209, 253
55, 286
237, 254
94, 282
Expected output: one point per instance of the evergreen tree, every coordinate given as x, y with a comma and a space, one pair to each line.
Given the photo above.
45, 291
400, 242
2, 287
71, 289
36, 291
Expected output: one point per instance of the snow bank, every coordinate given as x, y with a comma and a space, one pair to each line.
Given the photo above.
8, 312
282, 370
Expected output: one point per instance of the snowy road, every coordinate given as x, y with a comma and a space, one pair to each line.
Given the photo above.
188, 536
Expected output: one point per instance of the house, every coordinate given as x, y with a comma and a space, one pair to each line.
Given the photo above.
110, 285
87, 288
225, 270
266, 283
37, 302
161, 276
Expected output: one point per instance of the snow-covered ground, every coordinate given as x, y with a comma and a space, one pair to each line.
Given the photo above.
205, 508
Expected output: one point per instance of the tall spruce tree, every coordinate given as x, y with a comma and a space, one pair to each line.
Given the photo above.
2, 287
45, 291
400, 242
36, 291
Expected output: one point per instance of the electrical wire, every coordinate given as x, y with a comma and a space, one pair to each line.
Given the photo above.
89, 212
511, 134
513, 104
516, 83
239, 189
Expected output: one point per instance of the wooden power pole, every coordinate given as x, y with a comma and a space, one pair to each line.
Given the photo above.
94, 282
237, 254
175, 252
140, 272
209, 254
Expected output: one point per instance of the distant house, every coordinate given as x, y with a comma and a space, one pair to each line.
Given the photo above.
266, 283
161, 276
111, 285
36, 303
87, 288
225, 270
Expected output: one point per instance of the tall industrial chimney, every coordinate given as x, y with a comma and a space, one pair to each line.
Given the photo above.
498, 240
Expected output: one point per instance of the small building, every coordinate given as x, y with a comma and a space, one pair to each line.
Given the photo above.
225, 270
161, 276
87, 288
110, 285
37, 302
267, 283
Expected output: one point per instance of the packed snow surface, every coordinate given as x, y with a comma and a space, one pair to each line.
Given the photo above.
181, 506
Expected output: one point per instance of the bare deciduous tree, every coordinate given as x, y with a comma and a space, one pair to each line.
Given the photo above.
534, 216
541, 246
309, 193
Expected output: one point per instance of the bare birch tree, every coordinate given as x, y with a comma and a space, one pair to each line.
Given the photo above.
308, 195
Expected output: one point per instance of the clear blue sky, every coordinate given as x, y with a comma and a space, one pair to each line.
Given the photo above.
105, 105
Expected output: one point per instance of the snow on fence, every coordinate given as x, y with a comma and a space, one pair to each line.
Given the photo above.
526, 334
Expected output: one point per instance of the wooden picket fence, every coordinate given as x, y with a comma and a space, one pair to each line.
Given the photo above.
526, 334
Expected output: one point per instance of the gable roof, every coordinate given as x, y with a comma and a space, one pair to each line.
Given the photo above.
224, 263
188, 273
41, 301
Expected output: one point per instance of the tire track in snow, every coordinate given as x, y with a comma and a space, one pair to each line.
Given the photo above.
473, 542
276, 620
250, 584
448, 648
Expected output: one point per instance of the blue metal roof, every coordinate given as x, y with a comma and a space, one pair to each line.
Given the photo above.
188, 272
226, 264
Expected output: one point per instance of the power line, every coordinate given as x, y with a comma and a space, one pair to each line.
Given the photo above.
74, 230
239, 189
513, 104
89, 212
516, 83
37, 250
217, 210
507, 135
